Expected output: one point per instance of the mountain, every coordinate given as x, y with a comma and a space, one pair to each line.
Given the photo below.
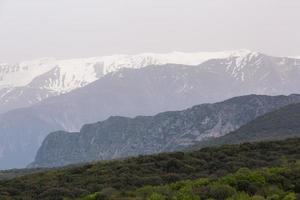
275, 75
30, 82
119, 137
127, 175
145, 91
280, 124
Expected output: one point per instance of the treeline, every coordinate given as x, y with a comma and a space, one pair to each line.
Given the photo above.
281, 183
133, 173
9, 174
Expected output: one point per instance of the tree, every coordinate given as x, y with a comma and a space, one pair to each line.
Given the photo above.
156, 196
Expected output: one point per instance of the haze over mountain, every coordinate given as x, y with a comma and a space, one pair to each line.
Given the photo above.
143, 91
30, 82
119, 137
149, 100
75, 28
279, 124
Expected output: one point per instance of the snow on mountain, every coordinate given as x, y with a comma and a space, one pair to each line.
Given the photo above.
30, 82
252, 66
70, 74
132, 92
21, 74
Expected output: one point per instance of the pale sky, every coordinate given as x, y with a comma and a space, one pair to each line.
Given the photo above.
32, 29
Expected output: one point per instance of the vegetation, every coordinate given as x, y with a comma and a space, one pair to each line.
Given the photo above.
263, 184
125, 176
277, 125
9, 174
174, 129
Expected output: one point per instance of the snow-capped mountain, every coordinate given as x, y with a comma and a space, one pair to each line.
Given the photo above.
30, 82
256, 67
69, 74
132, 92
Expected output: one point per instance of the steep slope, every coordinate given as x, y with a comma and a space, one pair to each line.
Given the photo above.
280, 124
145, 91
129, 174
30, 82
21, 74
119, 137
275, 75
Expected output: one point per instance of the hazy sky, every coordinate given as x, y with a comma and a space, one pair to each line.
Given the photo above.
83, 28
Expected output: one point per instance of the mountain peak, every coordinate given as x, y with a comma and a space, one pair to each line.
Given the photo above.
244, 53
48, 77
18, 75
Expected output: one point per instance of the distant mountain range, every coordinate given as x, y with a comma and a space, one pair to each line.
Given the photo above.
119, 137
88, 91
30, 82
27, 83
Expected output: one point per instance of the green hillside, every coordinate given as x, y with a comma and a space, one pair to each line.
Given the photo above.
262, 184
9, 174
133, 173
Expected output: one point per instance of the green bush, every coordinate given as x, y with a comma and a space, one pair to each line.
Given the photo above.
156, 196
230, 167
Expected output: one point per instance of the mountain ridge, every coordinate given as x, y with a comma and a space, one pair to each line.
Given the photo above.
278, 124
30, 82
145, 91
119, 137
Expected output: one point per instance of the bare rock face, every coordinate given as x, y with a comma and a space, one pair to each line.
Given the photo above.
119, 137
276, 125
132, 92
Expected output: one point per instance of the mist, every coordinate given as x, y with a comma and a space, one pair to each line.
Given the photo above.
74, 28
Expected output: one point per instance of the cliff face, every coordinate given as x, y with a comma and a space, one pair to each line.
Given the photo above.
131, 92
119, 137
279, 124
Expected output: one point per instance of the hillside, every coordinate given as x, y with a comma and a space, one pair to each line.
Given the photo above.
12, 173
133, 173
119, 137
136, 91
245, 184
279, 124
29, 82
